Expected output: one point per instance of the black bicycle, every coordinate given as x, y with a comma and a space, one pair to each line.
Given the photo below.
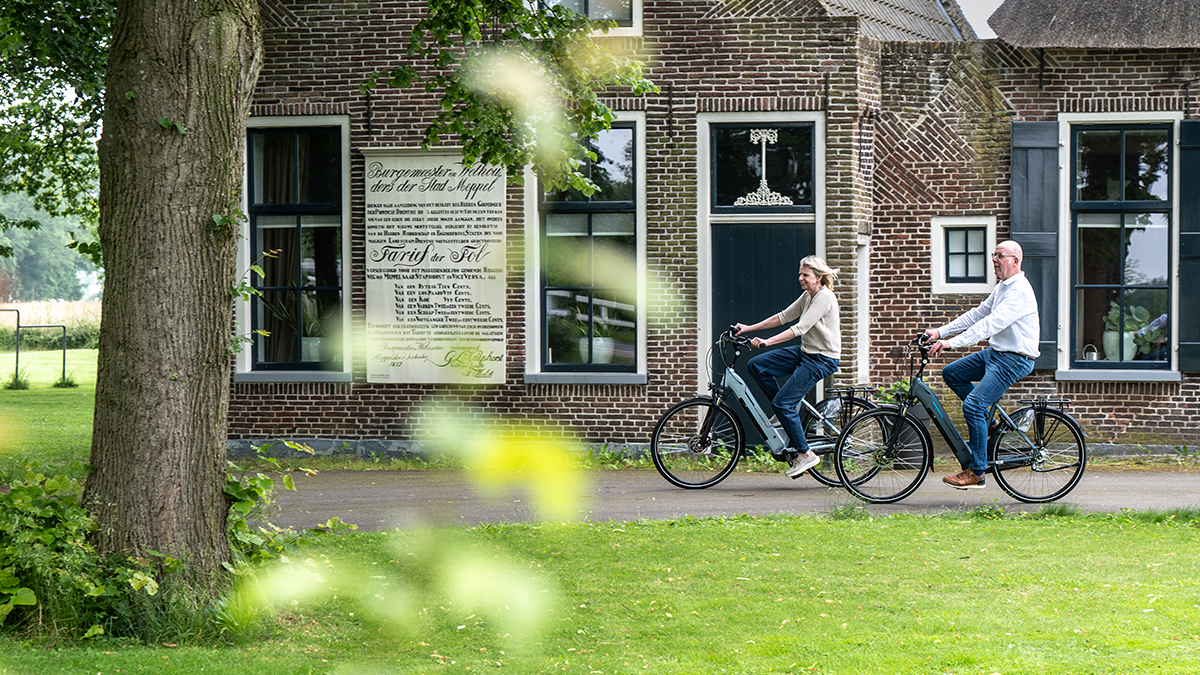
1037, 455
698, 442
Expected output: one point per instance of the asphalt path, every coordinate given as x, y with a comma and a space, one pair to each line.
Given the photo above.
383, 500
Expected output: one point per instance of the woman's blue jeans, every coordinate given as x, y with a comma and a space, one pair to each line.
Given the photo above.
802, 371
995, 372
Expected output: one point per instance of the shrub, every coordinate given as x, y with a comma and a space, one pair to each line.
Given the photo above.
54, 584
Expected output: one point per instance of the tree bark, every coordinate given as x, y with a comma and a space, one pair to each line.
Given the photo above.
180, 78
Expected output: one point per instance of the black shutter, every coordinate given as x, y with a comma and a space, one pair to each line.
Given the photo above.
1189, 245
1034, 223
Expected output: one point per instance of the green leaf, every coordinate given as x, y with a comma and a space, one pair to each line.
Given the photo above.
94, 631
23, 596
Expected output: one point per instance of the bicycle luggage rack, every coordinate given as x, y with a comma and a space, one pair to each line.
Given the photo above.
1043, 402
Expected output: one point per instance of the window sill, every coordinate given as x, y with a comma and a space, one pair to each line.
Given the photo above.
1117, 376
293, 376
585, 378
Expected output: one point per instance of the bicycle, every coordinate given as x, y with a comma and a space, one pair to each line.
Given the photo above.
697, 443
1037, 455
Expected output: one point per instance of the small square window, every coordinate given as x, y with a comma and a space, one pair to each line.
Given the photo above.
966, 255
959, 258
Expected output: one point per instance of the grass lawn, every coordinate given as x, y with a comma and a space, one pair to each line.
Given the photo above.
966, 593
44, 428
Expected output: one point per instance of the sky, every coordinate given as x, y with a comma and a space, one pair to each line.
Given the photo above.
977, 12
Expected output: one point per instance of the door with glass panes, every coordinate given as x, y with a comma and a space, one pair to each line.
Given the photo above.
762, 224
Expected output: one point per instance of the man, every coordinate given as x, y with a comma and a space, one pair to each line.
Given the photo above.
1008, 320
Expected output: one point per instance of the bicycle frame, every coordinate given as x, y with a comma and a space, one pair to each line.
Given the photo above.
732, 383
920, 393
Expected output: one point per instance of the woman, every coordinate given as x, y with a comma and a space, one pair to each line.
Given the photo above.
816, 315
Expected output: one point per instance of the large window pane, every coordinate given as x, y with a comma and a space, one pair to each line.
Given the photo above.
784, 180
1147, 316
1098, 166
276, 243
274, 169
1099, 249
1146, 164
1147, 242
320, 252
320, 168
620, 11
611, 171
568, 255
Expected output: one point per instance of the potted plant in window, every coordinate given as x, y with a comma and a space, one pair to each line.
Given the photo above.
602, 342
1117, 342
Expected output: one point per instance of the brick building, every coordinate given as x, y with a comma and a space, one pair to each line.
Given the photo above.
882, 136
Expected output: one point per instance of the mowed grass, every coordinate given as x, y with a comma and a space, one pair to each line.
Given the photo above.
44, 428
965, 593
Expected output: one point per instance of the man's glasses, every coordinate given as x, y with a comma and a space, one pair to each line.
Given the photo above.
997, 256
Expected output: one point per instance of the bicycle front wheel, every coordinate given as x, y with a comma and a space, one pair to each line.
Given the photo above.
822, 432
882, 457
1046, 467
696, 444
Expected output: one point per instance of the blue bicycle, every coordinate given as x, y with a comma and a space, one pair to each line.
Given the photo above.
1038, 454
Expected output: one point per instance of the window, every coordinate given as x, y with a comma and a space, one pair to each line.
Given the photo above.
295, 198
1121, 245
764, 168
627, 14
966, 256
589, 262
960, 249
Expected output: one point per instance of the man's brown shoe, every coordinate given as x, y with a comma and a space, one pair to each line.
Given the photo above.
965, 480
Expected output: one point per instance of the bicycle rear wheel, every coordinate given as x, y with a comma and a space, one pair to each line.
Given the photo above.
822, 432
882, 458
697, 444
1050, 468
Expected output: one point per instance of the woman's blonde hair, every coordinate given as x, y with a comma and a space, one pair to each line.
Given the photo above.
825, 273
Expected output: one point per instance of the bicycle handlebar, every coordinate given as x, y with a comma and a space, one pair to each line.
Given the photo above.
732, 336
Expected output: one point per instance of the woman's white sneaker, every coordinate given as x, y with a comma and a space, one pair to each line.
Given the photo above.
803, 463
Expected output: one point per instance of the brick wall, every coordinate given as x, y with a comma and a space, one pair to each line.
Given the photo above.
913, 131
943, 149
704, 59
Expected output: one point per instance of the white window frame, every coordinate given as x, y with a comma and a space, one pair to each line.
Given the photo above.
533, 275
705, 218
634, 30
937, 253
1066, 122
243, 363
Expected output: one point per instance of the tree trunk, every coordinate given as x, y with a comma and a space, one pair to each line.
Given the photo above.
180, 78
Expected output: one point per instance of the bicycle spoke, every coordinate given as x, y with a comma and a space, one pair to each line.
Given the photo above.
822, 433
695, 444
878, 461
1047, 469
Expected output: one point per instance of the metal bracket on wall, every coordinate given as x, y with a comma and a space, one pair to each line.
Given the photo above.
370, 112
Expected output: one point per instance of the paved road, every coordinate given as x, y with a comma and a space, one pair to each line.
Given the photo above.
380, 500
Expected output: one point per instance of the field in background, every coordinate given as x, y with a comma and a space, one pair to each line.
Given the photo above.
82, 321
50, 312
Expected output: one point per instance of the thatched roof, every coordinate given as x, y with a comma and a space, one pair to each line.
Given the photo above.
906, 20
1099, 24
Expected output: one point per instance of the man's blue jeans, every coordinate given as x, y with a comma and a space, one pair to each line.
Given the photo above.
803, 371
995, 372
